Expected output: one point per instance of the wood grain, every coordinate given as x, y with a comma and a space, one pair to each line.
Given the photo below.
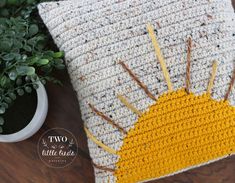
20, 163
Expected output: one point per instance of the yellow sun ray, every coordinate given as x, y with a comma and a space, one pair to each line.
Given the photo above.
160, 56
99, 143
213, 74
129, 105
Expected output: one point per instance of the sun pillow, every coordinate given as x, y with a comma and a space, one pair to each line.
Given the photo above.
154, 80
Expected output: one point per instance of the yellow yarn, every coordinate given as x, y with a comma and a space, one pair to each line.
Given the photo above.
99, 143
129, 105
180, 131
160, 56
213, 74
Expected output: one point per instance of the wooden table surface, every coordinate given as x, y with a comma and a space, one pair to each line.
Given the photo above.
20, 163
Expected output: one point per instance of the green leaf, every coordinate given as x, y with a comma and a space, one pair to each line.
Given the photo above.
59, 61
18, 44
1, 129
43, 81
8, 57
6, 44
17, 56
27, 48
60, 66
35, 86
12, 75
25, 70
58, 54
34, 77
31, 71
49, 53
46, 68
24, 57
2, 110
42, 62
11, 33
33, 29
34, 60
12, 95
7, 100
20, 92
1, 121
5, 105
19, 82
28, 89
28, 78
3, 81
32, 41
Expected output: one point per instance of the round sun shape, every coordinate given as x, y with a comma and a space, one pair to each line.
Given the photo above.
181, 130
178, 132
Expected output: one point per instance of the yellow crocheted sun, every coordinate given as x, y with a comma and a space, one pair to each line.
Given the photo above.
179, 131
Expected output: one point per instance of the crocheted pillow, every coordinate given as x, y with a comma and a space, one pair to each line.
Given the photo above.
154, 81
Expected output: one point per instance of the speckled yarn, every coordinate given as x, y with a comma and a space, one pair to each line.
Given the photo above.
97, 34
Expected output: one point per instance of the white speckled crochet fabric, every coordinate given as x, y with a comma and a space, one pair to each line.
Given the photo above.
97, 34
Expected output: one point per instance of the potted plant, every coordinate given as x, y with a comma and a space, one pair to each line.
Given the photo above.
26, 64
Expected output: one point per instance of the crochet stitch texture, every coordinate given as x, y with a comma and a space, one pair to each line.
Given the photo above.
130, 64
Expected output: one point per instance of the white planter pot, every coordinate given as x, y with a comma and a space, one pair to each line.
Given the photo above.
36, 122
